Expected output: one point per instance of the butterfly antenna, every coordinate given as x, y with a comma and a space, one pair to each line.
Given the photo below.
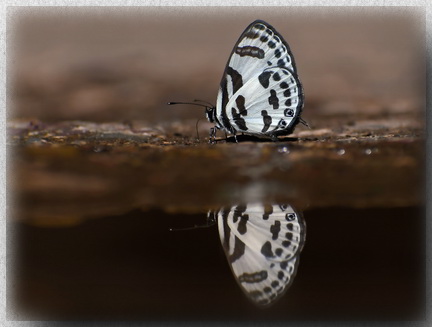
211, 105
192, 103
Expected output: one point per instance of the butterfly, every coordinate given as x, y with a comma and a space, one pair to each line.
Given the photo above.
260, 93
262, 244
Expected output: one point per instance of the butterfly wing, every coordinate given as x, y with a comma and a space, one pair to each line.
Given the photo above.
260, 92
262, 244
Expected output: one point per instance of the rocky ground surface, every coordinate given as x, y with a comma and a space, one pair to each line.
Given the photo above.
64, 172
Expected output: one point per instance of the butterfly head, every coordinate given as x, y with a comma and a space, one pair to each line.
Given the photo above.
211, 114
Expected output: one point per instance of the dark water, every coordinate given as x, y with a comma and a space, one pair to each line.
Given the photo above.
356, 264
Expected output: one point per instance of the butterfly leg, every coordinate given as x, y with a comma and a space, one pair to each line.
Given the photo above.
274, 138
304, 122
212, 136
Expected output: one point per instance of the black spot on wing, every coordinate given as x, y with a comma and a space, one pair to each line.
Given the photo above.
284, 265
239, 249
238, 212
275, 284
287, 93
286, 244
237, 83
239, 246
225, 121
273, 99
281, 63
255, 277
290, 226
239, 120
250, 51
278, 252
277, 53
266, 250
264, 79
264, 38
288, 102
275, 229
242, 225
251, 34
281, 275
288, 113
268, 210
284, 85
267, 120
226, 229
276, 77
236, 77
240, 102
271, 44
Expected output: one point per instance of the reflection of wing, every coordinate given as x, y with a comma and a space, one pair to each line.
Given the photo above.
262, 244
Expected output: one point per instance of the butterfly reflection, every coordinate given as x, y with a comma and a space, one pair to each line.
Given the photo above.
262, 244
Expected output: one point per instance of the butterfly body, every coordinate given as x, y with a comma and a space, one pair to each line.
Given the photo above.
260, 93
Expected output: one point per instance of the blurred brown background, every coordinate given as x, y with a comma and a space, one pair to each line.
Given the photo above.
106, 64
92, 205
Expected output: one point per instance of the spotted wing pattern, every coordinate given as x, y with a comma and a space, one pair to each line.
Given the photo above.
260, 92
262, 244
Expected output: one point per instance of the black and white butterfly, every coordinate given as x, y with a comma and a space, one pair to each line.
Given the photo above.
262, 244
260, 93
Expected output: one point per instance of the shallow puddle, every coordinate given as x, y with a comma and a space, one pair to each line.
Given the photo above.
308, 228
356, 264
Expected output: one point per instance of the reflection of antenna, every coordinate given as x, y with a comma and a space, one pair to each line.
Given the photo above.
210, 222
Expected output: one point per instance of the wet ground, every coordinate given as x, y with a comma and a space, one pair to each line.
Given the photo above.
100, 172
94, 206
